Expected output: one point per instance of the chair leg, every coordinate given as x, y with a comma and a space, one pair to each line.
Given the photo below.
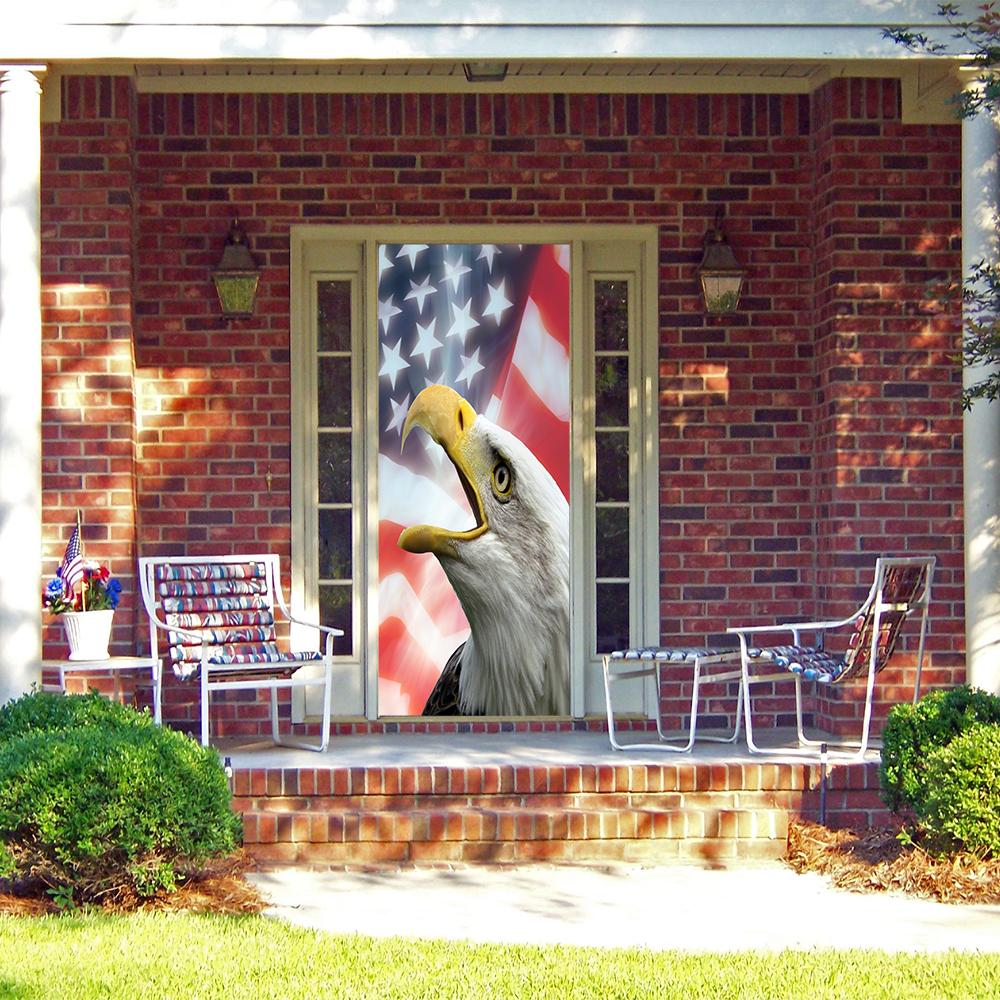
274, 715
609, 680
158, 692
324, 737
204, 705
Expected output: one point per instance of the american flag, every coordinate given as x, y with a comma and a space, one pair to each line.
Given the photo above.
491, 322
71, 568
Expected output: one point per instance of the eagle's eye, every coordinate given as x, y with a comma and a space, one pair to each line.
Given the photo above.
502, 480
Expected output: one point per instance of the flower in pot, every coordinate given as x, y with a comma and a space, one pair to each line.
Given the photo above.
86, 605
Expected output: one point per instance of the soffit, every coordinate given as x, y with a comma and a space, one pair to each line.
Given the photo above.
927, 85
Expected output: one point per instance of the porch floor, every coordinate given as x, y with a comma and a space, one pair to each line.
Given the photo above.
460, 750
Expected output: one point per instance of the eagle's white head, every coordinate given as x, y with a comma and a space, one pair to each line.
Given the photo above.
510, 570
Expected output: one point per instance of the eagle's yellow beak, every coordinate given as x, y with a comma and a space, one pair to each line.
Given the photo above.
447, 417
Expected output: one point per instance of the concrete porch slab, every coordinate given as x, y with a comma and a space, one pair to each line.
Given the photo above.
490, 749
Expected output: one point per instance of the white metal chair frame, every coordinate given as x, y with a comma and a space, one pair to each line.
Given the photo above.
654, 660
874, 603
274, 595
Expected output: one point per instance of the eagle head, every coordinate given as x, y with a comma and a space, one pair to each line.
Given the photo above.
510, 570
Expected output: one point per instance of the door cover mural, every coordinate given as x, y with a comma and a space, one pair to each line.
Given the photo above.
473, 479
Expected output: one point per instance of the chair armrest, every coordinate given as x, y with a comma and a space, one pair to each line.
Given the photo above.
792, 626
331, 633
322, 628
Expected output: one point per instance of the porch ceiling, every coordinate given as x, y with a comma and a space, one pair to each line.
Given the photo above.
927, 85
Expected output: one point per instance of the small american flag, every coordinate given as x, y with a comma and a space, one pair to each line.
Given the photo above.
491, 322
71, 568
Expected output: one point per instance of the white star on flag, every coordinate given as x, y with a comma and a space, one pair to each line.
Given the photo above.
497, 304
392, 363
454, 272
383, 259
471, 368
426, 343
398, 414
463, 322
386, 310
488, 252
411, 251
420, 292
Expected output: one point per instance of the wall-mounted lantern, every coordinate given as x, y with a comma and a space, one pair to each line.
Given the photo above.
236, 277
719, 273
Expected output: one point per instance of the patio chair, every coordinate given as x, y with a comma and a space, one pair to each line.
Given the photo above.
652, 661
215, 615
901, 590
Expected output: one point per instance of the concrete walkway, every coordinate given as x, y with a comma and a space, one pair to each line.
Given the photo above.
767, 907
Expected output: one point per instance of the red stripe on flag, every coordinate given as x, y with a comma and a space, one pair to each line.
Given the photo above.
526, 416
550, 290
402, 659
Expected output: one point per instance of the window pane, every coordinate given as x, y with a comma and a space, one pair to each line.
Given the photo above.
334, 468
335, 612
334, 315
612, 617
611, 315
335, 544
611, 392
612, 465
612, 541
334, 392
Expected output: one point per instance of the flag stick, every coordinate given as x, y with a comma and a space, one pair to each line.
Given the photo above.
83, 584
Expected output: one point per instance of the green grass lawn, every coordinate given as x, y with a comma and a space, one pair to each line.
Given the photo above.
182, 955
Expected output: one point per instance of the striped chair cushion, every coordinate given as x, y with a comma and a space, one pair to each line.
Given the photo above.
228, 604
812, 663
678, 654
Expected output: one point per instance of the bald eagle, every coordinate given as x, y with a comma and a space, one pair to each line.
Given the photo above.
510, 570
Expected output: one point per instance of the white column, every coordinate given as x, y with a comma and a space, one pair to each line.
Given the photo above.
981, 430
20, 381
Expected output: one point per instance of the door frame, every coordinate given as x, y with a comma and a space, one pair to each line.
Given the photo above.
306, 243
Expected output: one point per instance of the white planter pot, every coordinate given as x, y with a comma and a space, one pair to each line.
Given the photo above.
88, 633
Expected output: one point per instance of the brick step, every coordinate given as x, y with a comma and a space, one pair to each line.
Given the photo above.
490, 852
516, 779
584, 800
506, 826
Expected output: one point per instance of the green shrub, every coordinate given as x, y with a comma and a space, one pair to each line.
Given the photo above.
111, 811
962, 805
43, 711
912, 732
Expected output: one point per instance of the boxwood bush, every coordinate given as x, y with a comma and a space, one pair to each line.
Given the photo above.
913, 732
44, 711
95, 797
961, 808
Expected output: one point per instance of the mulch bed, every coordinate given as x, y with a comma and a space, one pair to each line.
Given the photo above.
876, 860
217, 888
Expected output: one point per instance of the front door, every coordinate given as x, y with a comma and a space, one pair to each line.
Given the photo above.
474, 462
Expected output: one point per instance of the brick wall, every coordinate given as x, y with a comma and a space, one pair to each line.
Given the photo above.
752, 406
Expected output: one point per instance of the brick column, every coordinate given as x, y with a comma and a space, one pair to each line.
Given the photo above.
888, 415
89, 372
20, 382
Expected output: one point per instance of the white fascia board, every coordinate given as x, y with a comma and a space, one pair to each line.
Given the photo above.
436, 29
